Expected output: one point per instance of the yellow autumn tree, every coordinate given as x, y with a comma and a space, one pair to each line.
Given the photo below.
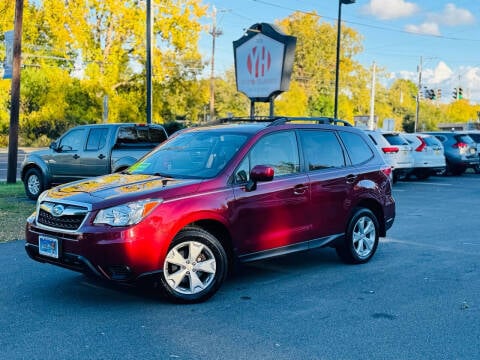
106, 40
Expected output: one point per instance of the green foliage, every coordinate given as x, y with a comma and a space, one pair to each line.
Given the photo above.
14, 210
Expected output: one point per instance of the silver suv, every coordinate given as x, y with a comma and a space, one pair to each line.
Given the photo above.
395, 150
460, 151
427, 154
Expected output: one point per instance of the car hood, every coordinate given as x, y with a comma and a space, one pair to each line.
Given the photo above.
122, 186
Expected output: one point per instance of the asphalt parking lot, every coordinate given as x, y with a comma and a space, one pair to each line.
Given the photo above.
417, 299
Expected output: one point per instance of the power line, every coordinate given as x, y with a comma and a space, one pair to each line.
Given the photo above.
366, 25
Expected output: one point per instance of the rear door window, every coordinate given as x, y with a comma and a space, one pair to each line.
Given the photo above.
97, 138
322, 150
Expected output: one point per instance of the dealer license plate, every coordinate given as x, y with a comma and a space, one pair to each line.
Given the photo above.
48, 246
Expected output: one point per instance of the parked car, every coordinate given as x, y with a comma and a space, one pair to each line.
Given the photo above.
475, 135
86, 151
210, 196
395, 150
427, 155
460, 151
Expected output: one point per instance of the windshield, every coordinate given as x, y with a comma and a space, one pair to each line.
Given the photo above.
196, 154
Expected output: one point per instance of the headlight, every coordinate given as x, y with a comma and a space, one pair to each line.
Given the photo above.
127, 214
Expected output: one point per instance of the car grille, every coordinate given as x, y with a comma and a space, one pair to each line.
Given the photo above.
70, 218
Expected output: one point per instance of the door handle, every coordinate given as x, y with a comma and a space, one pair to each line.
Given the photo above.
351, 178
76, 156
101, 156
300, 189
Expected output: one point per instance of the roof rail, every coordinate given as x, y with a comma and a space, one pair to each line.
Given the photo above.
281, 120
308, 119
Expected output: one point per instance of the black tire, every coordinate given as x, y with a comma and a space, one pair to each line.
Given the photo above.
209, 267
361, 237
34, 183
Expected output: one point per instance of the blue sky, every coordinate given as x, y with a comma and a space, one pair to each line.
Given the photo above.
446, 34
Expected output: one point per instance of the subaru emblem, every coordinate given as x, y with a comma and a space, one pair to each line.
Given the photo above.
57, 210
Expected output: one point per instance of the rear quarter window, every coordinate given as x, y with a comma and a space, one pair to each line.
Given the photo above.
395, 139
358, 150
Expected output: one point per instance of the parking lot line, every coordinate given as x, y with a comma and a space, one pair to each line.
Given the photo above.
432, 183
429, 246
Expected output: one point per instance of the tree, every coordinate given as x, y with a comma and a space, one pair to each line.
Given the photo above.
461, 111
315, 57
108, 38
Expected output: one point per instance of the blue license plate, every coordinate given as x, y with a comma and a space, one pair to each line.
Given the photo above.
48, 246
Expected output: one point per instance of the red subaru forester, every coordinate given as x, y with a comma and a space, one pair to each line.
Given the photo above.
214, 195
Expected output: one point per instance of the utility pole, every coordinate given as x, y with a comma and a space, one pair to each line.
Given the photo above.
372, 97
15, 95
148, 72
214, 32
418, 94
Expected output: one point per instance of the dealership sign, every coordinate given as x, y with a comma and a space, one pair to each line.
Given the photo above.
263, 62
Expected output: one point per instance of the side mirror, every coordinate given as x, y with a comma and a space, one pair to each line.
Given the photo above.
260, 173
54, 146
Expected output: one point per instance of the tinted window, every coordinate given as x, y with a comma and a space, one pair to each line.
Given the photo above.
322, 150
432, 141
441, 138
475, 137
278, 150
464, 138
97, 139
357, 148
395, 139
140, 135
371, 137
157, 135
72, 141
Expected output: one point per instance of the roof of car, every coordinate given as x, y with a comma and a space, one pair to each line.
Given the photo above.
255, 124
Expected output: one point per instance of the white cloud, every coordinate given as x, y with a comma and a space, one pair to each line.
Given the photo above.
452, 16
441, 73
470, 81
444, 78
428, 28
389, 9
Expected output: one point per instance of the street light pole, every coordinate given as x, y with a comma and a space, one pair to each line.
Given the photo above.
337, 63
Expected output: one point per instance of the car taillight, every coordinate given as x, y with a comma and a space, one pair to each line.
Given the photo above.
390, 149
422, 145
460, 144
387, 171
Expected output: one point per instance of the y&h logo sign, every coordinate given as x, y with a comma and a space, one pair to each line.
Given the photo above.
259, 61
263, 62
259, 66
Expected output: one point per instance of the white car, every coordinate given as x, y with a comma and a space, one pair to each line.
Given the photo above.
396, 151
427, 154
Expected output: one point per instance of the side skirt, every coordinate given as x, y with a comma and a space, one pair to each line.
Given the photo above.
306, 245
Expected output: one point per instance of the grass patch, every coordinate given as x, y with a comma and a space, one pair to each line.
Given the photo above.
15, 207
